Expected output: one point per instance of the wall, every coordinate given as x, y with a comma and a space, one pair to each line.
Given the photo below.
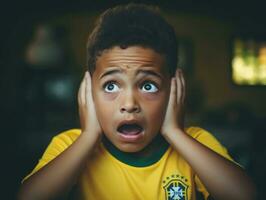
211, 38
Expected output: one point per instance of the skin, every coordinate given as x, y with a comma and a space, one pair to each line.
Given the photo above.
222, 178
128, 71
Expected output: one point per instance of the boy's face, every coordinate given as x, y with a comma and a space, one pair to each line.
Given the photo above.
130, 90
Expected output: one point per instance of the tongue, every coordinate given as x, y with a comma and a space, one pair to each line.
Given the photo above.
130, 129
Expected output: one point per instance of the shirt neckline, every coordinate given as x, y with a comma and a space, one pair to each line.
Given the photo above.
155, 150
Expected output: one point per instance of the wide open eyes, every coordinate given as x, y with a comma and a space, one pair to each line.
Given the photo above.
111, 87
147, 87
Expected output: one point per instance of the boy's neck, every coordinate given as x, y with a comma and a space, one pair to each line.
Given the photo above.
147, 156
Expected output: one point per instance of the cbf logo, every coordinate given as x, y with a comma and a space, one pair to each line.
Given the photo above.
175, 187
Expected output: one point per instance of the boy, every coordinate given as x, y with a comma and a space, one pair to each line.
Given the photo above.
132, 143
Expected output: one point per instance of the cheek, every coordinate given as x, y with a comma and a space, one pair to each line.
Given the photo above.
103, 108
109, 97
151, 97
155, 107
156, 114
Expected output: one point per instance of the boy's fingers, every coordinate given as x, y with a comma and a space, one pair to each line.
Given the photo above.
88, 87
172, 98
178, 86
183, 88
81, 95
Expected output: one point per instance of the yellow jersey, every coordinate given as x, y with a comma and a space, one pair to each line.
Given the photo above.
107, 177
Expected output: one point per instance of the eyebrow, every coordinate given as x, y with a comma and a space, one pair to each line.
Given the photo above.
144, 71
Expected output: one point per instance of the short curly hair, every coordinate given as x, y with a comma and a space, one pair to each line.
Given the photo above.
129, 25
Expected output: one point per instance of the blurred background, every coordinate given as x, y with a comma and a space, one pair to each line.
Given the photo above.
222, 51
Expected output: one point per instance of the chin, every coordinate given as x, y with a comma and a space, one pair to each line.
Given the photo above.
130, 147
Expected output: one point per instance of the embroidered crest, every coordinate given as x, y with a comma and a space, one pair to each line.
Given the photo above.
175, 188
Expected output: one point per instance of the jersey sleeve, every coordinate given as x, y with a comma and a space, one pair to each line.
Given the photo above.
58, 144
211, 142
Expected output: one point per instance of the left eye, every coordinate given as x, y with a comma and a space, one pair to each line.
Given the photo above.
149, 87
111, 87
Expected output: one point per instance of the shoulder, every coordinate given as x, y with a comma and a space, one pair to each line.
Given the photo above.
206, 138
69, 134
67, 137
58, 144
199, 133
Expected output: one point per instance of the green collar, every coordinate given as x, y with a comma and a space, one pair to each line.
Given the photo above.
154, 151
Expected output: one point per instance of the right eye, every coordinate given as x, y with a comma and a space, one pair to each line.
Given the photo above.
111, 87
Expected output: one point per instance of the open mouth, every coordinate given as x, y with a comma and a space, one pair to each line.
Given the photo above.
130, 129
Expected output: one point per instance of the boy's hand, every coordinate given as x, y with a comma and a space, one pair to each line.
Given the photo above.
87, 114
174, 117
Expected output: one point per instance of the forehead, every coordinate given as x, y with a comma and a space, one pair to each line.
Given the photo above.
130, 59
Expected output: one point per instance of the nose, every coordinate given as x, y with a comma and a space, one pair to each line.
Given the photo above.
129, 103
